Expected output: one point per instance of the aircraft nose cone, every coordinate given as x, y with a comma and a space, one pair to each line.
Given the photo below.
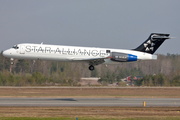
6, 53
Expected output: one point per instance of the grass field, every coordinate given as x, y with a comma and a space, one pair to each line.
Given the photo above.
90, 92
90, 113
85, 113
89, 118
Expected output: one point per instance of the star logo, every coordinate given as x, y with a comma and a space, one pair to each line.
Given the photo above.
152, 48
149, 45
149, 41
152, 44
147, 49
145, 45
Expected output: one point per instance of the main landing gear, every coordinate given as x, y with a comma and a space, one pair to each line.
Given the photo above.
91, 67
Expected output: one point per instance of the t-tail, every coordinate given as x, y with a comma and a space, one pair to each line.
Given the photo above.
152, 43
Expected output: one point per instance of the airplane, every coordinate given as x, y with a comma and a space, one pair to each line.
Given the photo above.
91, 55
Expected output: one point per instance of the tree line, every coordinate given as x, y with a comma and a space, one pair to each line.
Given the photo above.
165, 71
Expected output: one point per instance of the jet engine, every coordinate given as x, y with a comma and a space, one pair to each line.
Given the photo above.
123, 57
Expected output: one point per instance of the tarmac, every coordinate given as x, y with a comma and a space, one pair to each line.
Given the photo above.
129, 102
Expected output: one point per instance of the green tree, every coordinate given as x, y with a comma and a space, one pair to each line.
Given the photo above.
39, 78
94, 73
4, 62
22, 66
176, 81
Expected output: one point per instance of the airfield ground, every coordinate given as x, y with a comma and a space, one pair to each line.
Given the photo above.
82, 92
91, 112
99, 113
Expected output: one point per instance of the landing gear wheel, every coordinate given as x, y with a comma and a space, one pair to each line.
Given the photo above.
91, 67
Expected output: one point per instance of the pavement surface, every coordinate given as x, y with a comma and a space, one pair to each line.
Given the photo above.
130, 102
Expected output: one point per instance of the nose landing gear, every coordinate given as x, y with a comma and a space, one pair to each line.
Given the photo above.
12, 61
91, 67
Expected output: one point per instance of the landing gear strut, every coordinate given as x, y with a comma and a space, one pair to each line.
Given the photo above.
91, 67
12, 62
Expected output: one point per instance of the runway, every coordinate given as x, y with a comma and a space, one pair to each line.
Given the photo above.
90, 102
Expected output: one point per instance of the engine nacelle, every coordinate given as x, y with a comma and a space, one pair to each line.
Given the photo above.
122, 57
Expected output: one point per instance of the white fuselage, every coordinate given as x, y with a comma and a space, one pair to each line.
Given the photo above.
69, 53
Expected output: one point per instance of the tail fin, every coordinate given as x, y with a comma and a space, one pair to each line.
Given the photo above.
152, 43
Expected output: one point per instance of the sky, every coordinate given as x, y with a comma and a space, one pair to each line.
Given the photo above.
120, 24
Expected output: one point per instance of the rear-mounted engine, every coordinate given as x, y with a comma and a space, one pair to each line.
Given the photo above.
122, 57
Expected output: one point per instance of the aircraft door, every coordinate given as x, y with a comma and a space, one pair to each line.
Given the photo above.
22, 49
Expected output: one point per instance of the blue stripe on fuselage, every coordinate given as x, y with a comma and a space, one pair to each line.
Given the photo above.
132, 57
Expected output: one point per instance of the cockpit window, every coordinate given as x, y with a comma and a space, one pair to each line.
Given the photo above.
15, 47
108, 51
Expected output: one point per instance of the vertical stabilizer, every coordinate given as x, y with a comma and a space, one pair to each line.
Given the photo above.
152, 43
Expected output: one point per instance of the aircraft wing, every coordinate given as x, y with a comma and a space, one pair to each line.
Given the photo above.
92, 61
